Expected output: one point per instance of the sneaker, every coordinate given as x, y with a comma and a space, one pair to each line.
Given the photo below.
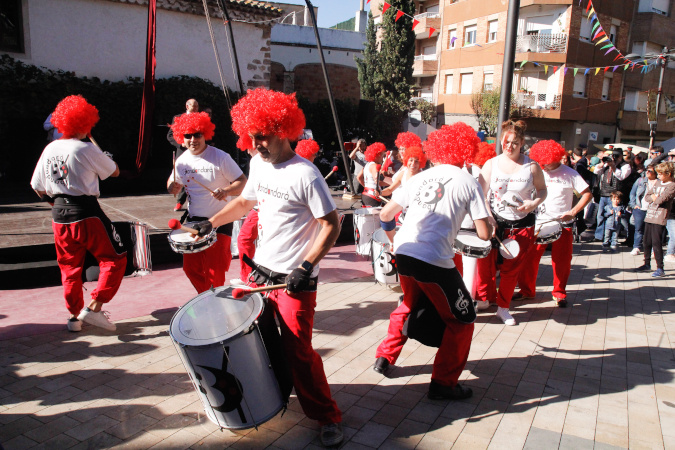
560, 301
613, 249
503, 314
237, 282
482, 305
381, 365
98, 319
74, 324
658, 273
669, 258
521, 296
636, 251
643, 268
440, 392
178, 207
331, 434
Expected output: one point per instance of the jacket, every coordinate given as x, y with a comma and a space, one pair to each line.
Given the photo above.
664, 199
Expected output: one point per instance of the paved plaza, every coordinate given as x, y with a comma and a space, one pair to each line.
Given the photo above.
595, 375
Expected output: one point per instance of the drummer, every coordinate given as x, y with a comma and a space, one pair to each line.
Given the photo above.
437, 200
209, 176
514, 186
369, 176
298, 225
308, 149
561, 182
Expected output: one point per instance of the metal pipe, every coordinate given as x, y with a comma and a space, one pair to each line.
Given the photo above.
234, 47
345, 159
507, 69
663, 62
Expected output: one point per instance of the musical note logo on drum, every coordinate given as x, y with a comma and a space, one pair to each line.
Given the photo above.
462, 304
225, 383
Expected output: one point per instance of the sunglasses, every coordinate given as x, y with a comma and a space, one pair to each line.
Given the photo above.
189, 136
651, 171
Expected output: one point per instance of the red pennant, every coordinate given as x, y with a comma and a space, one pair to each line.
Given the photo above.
618, 56
600, 34
399, 14
606, 69
368, 1
555, 69
431, 31
385, 7
415, 22
588, 7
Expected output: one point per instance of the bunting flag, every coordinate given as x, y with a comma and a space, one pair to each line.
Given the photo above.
399, 14
415, 22
545, 69
576, 69
614, 69
385, 7
604, 38
606, 69
523, 63
597, 69
452, 41
431, 31
586, 71
555, 69
565, 72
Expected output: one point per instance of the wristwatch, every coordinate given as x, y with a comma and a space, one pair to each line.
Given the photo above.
307, 266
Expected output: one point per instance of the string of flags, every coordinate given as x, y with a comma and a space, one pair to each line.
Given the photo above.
400, 14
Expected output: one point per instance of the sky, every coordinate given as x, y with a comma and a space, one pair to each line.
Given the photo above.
332, 12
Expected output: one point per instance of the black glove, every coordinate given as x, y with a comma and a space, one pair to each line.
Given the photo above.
203, 228
298, 280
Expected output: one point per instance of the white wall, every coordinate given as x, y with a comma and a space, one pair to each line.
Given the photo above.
97, 38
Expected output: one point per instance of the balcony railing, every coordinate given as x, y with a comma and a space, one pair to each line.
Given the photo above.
427, 15
542, 43
537, 101
426, 57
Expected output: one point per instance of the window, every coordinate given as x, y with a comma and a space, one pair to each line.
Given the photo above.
585, 31
470, 35
492, 31
466, 83
606, 86
488, 81
11, 26
612, 34
579, 85
655, 6
448, 84
452, 39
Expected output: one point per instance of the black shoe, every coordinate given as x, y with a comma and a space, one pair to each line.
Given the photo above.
381, 365
644, 268
440, 392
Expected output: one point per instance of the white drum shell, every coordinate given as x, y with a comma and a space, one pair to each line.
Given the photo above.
384, 262
180, 245
467, 243
547, 232
366, 222
142, 256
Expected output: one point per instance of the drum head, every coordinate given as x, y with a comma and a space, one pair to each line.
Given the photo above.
381, 236
368, 211
214, 316
513, 247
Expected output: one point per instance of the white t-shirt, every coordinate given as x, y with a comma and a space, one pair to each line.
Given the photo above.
504, 186
474, 170
71, 167
213, 168
290, 196
368, 180
437, 200
561, 184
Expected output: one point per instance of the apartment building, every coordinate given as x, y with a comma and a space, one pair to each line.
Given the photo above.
464, 52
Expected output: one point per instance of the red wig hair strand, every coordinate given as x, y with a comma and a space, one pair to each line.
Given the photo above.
192, 123
74, 116
547, 152
269, 113
454, 144
373, 150
306, 148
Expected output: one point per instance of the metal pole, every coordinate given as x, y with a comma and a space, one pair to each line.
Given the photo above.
345, 159
507, 68
663, 61
234, 48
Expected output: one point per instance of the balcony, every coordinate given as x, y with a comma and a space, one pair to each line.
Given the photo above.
427, 20
425, 66
530, 100
542, 43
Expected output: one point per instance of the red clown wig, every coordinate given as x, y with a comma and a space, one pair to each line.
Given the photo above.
269, 113
407, 139
547, 152
74, 116
373, 150
192, 123
244, 143
485, 152
454, 144
415, 152
306, 148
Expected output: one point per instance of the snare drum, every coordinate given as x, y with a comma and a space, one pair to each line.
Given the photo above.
236, 228
134, 236
547, 232
467, 243
225, 352
384, 262
366, 221
182, 242
512, 246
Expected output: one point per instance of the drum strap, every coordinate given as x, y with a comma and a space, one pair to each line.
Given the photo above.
262, 275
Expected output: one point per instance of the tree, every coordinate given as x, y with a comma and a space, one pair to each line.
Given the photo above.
367, 65
486, 106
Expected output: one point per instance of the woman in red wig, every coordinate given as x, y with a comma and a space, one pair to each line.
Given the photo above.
369, 177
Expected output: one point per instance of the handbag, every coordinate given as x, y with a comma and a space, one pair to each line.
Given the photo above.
656, 215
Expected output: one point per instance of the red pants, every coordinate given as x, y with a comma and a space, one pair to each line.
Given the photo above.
246, 243
207, 268
453, 353
295, 313
509, 271
72, 241
561, 260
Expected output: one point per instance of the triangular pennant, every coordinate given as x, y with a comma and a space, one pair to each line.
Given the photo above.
565, 71
415, 22
600, 32
431, 31
399, 14
586, 71
626, 66
597, 24
576, 69
545, 69
589, 5
536, 64
452, 41
555, 69
614, 69
592, 11
606, 69
604, 38
609, 51
607, 46
597, 69
385, 7
523, 63
617, 57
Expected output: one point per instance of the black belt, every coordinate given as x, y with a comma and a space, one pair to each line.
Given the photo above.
262, 275
223, 229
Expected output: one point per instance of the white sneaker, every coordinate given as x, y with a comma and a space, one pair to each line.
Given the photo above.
74, 324
237, 282
482, 305
503, 313
636, 251
331, 434
98, 319
669, 258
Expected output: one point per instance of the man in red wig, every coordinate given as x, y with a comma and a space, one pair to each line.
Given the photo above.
298, 225
68, 171
437, 200
562, 183
209, 176
191, 106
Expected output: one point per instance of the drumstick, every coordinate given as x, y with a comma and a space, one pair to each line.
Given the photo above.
174, 169
174, 224
239, 293
213, 192
537, 233
383, 199
504, 247
93, 141
335, 169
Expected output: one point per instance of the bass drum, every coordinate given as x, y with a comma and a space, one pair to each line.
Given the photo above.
384, 261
